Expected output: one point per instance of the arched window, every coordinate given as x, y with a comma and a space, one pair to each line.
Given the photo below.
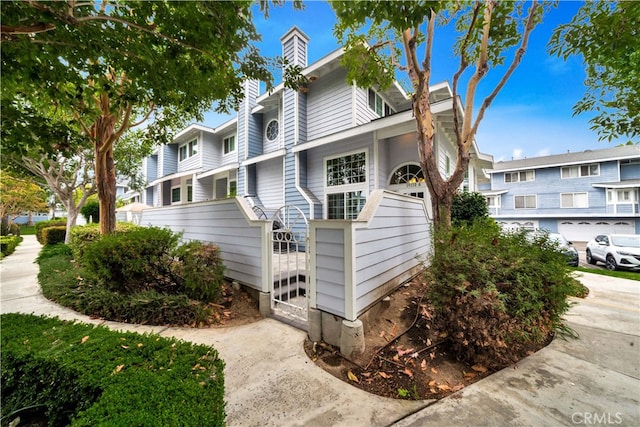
407, 174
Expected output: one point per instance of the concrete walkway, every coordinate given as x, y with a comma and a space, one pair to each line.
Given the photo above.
271, 382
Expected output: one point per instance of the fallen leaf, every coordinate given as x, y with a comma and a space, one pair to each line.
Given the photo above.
382, 334
408, 372
479, 368
84, 339
458, 387
444, 387
432, 383
423, 365
428, 341
434, 370
352, 377
432, 355
366, 374
140, 345
403, 352
470, 375
384, 375
118, 369
124, 346
396, 358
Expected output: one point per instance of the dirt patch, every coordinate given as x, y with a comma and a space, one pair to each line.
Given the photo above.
407, 353
237, 308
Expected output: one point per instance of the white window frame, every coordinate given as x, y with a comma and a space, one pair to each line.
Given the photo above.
535, 198
578, 169
518, 176
179, 201
189, 189
576, 200
345, 189
497, 199
226, 142
266, 134
613, 196
380, 106
190, 148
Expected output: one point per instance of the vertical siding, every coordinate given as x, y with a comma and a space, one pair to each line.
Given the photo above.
330, 269
224, 224
269, 183
397, 239
329, 107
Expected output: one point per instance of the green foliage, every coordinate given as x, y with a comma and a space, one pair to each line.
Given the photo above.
84, 375
499, 294
8, 244
605, 34
54, 234
201, 270
468, 207
81, 236
27, 230
50, 251
131, 261
91, 211
7, 229
40, 226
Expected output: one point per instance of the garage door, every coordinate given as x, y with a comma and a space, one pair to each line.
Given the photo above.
583, 231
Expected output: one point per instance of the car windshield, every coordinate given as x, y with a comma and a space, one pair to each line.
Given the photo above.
559, 239
628, 241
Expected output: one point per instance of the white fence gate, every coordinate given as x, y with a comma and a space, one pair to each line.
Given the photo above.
290, 242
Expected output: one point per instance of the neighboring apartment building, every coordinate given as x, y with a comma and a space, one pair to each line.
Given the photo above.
578, 194
323, 149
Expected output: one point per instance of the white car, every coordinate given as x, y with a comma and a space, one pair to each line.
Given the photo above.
615, 251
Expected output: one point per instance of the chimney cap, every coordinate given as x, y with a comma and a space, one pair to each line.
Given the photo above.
293, 31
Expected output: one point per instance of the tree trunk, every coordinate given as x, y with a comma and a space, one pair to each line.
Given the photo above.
30, 221
106, 183
72, 215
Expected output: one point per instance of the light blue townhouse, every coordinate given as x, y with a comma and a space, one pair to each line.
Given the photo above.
579, 194
315, 197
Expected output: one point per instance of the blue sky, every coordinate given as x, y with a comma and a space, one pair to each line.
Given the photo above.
531, 116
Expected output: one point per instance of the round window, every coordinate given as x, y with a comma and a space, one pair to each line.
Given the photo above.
272, 130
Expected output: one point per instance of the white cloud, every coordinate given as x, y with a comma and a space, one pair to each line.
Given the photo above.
517, 153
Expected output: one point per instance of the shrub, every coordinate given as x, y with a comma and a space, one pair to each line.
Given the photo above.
91, 211
83, 235
83, 375
468, 207
63, 281
8, 244
499, 294
40, 226
200, 270
54, 234
132, 261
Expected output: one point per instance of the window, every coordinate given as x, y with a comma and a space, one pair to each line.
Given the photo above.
350, 169
229, 144
187, 150
377, 104
407, 174
525, 202
493, 201
447, 165
574, 200
345, 205
626, 195
346, 185
521, 176
175, 195
189, 190
272, 131
581, 171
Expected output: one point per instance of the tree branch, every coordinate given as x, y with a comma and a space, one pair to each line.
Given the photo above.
514, 64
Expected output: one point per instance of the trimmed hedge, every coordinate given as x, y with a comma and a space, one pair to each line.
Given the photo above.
83, 375
8, 244
54, 234
40, 226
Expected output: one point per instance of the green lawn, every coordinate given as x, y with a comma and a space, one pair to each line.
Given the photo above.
27, 230
631, 275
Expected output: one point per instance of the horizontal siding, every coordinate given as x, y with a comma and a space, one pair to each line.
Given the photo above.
269, 184
276, 144
364, 114
210, 152
329, 107
329, 272
221, 223
151, 171
396, 240
169, 159
203, 189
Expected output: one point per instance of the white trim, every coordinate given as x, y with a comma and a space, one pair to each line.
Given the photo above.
264, 157
376, 160
579, 167
221, 169
573, 199
235, 143
179, 187
296, 163
190, 128
173, 176
354, 104
266, 135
